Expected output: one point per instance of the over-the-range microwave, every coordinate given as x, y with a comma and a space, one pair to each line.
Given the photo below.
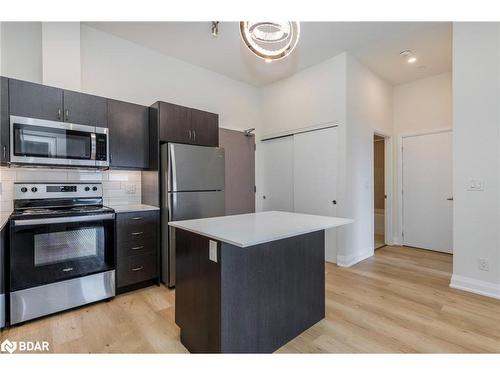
43, 142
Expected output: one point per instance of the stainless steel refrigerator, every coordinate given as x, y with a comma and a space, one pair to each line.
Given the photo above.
192, 183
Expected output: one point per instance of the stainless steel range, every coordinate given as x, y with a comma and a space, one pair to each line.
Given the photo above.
61, 249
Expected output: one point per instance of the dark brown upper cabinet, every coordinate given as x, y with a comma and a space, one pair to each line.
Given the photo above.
28, 99
4, 121
85, 109
174, 123
128, 134
187, 125
205, 128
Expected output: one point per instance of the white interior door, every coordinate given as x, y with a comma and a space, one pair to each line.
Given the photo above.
427, 192
315, 178
277, 174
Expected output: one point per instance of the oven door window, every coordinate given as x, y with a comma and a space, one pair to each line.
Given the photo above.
72, 245
39, 141
43, 254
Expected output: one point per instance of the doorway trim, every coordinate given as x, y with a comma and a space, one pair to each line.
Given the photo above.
388, 182
398, 239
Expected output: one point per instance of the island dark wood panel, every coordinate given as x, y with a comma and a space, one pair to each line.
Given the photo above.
253, 299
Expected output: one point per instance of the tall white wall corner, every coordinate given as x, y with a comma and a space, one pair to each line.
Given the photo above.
61, 62
1, 48
477, 286
352, 259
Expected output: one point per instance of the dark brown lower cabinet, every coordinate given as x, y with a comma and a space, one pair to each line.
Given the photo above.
251, 300
137, 245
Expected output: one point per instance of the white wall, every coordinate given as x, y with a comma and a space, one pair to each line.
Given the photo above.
419, 106
476, 142
369, 108
311, 97
61, 55
425, 104
116, 68
343, 91
22, 50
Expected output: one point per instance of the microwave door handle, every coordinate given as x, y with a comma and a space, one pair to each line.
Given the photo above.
62, 220
93, 146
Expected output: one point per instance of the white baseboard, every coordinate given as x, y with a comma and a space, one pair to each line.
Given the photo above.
350, 260
469, 284
396, 242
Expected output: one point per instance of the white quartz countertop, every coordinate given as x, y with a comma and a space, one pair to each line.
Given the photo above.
133, 208
261, 227
4, 218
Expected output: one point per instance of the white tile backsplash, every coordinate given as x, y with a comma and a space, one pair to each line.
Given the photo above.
119, 187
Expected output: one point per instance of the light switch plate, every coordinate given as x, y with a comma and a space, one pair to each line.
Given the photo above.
212, 251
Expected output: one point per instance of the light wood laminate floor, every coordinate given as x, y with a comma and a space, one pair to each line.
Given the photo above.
396, 301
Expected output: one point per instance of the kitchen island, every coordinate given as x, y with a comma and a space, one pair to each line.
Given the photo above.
249, 283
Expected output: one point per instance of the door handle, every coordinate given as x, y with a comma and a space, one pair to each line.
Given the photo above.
4, 152
137, 218
137, 233
189, 132
137, 269
449, 199
138, 248
194, 133
66, 115
58, 113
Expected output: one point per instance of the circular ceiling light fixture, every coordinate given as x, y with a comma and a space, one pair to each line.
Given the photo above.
270, 41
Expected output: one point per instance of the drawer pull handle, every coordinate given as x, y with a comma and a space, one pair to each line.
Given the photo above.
137, 269
67, 269
137, 218
138, 248
137, 233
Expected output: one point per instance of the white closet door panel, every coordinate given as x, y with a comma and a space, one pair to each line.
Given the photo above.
427, 188
277, 174
315, 178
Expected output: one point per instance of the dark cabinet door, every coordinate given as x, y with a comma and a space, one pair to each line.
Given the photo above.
175, 123
28, 99
85, 109
128, 134
4, 121
205, 128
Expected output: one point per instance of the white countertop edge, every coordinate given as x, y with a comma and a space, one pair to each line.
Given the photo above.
178, 224
133, 208
4, 218
253, 243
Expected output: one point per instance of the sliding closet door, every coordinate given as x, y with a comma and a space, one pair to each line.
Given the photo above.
277, 174
315, 178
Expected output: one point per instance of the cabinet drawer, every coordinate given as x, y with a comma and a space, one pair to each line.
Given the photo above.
140, 246
135, 226
136, 268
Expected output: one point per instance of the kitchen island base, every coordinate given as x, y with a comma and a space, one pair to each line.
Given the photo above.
251, 300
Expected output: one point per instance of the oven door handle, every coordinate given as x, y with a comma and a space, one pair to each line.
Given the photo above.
62, 220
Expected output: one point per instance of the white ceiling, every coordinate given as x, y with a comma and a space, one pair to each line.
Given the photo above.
375, 44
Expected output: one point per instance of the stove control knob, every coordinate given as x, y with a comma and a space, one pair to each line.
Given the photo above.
87, 188
94, 188
34, 189
24, 189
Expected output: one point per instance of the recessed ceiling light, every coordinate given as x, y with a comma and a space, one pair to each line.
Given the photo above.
411, 59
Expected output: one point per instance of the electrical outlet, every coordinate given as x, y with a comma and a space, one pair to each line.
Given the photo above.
475, 185
130, 188
483, 264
